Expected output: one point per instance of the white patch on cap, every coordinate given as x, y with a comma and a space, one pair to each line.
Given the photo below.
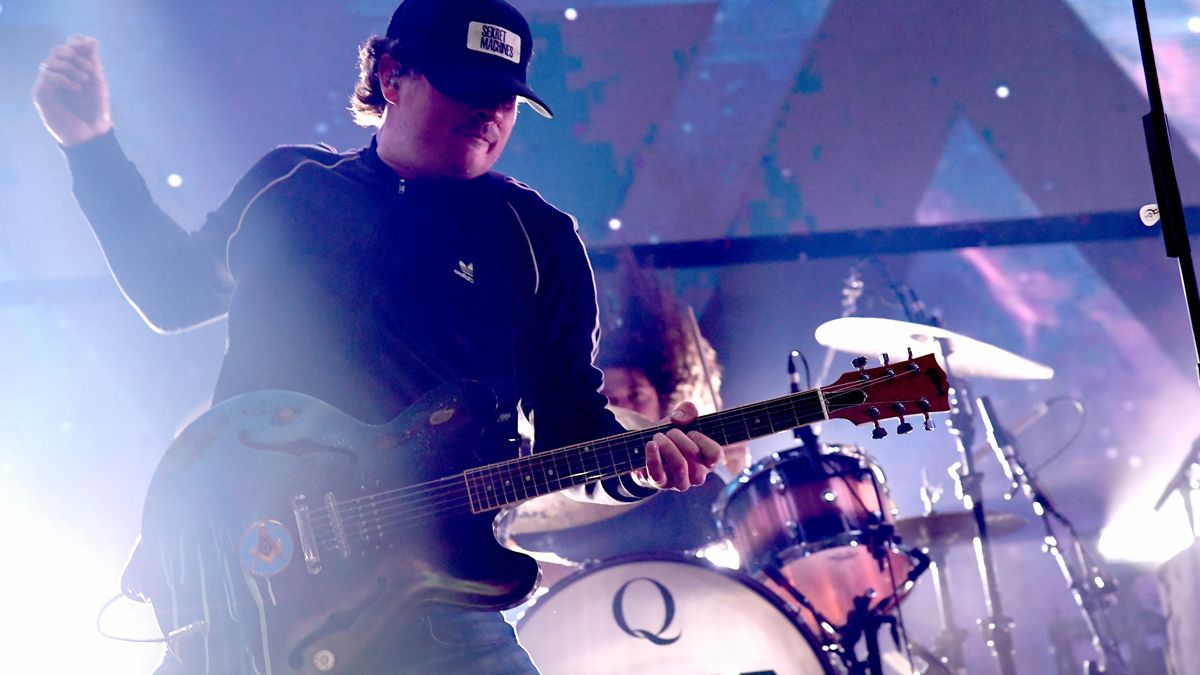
491, 39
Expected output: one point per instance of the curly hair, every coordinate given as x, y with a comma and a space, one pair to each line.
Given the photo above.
642, 328
367, 102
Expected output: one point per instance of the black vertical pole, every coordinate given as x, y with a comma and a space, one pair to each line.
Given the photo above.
1166, 186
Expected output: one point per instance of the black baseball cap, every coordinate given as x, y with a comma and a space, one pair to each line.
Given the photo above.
468, 48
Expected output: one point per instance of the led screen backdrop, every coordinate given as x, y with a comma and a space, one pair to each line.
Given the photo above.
675, 122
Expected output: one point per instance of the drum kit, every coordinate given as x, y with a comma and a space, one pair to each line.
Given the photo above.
794, 566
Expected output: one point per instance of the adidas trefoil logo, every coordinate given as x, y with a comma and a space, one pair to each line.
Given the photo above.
466, 270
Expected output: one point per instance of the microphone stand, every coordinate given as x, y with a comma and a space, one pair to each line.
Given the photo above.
1090, 587
997, 627
968, 484
1186, 481
1166, 186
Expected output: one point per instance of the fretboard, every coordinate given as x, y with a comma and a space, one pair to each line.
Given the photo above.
506, 483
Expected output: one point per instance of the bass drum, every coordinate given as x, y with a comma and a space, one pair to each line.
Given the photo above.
665, 614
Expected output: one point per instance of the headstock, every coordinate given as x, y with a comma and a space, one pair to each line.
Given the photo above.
916, 386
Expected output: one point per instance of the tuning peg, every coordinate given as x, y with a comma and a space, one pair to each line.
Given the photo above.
885, 359
878, 432
904, 427
929, 425
860, 362
910, 356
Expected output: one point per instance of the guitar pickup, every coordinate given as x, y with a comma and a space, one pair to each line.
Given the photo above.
308, 543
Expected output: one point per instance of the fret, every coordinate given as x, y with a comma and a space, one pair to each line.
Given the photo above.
485, 487
587, 455
782, 417
613, 466
562, 468
512, 482
503, 485
758, 424
578, 473
623, 457
488, 487
547, 475
520, 476
472, 502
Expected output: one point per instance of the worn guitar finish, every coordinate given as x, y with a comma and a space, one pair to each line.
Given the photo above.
286, 535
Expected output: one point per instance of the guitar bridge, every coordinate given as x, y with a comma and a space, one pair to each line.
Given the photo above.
339, 531
308, 542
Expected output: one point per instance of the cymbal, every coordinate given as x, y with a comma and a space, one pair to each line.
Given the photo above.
949, 529
968, 357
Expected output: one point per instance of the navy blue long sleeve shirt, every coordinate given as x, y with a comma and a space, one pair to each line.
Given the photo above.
342, 281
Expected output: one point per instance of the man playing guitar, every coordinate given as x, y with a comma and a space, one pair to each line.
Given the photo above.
366, 279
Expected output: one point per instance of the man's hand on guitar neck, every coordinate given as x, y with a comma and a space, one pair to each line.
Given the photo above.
677, 460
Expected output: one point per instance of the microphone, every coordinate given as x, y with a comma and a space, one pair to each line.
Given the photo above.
793, 374
806, 435
914, 309
999, 439
1036, 413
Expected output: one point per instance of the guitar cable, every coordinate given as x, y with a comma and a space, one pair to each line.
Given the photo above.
100, 629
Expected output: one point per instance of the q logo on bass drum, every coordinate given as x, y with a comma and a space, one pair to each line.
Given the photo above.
685, 616
618, 609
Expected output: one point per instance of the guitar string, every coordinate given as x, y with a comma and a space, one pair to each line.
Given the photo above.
773, 405
782, 404
430, 508
381, 506
534, 464
361, 524
457, 500
428, 488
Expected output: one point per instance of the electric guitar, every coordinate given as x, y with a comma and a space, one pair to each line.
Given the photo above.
285, 535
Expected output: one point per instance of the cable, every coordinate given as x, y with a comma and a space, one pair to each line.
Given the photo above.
1079, 407
100, 629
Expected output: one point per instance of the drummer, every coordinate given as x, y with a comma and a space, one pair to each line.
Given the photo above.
652, 356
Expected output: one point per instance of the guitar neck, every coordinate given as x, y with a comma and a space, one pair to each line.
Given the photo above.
506, 483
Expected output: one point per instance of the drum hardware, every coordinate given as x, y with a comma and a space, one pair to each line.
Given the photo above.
996, 627
865, 621
935, 533
962, 356
865, 624
1185, 481
1091, 588
817, 528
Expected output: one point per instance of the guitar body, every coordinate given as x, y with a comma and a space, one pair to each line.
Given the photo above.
284, 536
